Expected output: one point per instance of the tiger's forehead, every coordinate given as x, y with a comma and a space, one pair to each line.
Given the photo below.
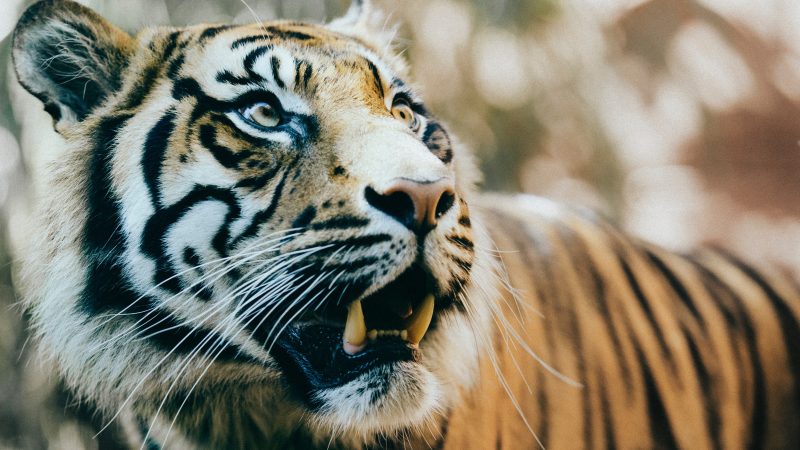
290, 56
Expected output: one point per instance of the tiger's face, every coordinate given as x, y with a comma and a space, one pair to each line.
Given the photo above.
266, 204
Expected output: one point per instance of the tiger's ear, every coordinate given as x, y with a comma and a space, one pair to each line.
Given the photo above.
69, 57
364, 22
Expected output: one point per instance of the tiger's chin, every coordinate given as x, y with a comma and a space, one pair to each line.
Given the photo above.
381, 402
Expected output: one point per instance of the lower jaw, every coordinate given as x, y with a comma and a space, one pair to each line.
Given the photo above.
407, 399
312, 358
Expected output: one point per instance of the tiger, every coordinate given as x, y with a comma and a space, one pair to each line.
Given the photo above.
258, 237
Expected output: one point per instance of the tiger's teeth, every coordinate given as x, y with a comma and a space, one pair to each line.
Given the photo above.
420, 320
355, 330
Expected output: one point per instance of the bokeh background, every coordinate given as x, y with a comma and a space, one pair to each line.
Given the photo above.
679, 119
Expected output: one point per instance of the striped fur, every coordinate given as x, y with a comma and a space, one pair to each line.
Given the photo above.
672, 351
177, 242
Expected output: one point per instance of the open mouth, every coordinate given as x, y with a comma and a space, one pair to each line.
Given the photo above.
394, 311
383, 328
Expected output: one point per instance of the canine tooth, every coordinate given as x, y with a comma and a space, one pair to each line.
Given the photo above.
420, 320
355, 330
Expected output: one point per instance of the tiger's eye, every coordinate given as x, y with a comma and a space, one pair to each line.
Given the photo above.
403, 112
262, 114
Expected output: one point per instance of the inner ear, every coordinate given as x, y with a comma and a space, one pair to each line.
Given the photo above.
69, 57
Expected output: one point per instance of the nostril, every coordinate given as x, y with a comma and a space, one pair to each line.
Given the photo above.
398, 205
445, 203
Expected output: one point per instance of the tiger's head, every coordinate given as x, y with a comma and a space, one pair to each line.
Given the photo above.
262, 221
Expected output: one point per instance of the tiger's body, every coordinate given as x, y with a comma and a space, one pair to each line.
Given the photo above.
259, 237
673, 351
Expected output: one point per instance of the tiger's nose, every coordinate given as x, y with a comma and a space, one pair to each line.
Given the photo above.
416, 204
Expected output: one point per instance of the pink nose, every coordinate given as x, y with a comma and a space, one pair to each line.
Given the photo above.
416, 204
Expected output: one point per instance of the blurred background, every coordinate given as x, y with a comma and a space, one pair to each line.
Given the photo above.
680, 120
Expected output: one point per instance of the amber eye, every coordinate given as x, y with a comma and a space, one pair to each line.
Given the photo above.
261, 114
403, 112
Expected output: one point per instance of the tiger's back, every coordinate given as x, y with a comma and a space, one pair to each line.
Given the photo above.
670, 351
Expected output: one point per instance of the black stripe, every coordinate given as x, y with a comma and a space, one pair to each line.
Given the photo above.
298, 63
608, 428
450, 296
168, 334
574, 255
141, 87
226, 76
579, 254
341, 223
175, 66
787, 320
154, 244
462, 242
249, 40
350, 266
187, 87
264, 215
145, 83
258, 182
305, 217
633, 283
212, 32
250, 61
307, 75
271, 34
460, 262
377, 75
172, 44
276, 67
358, 241
155, 150
191, 258
224, 155
742, 322
660, 427
437, 140
103, 242
676, 284
289, 34
707, 392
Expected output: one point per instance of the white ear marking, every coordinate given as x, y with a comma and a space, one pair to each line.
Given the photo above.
357, 14
364, 22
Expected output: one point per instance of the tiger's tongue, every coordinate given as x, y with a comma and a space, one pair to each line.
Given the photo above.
354, 338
